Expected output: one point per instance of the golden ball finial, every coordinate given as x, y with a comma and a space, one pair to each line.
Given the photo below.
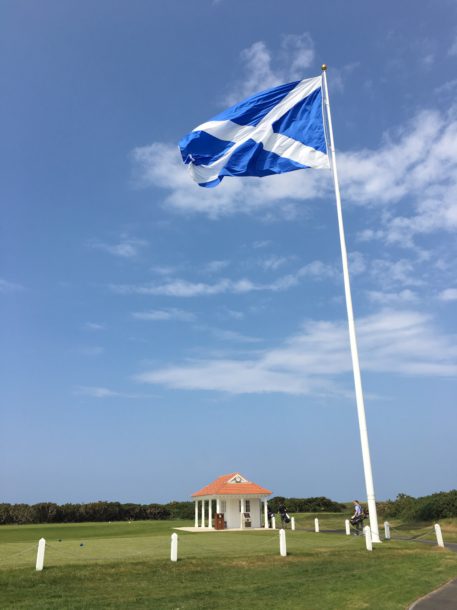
324, 67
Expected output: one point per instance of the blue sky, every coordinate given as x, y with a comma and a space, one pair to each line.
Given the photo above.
156, 335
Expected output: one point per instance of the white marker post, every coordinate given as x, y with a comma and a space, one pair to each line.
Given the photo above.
386, 530
352, 336
292, 523
348, 527
368, 540
316, 525
282, 543
439, 535
40, 555
273, 523
174, 547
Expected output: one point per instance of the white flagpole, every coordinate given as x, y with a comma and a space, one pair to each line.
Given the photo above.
352, 336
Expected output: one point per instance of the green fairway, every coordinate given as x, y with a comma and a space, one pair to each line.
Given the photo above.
122, 565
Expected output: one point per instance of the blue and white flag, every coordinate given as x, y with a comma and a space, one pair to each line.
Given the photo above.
276, 131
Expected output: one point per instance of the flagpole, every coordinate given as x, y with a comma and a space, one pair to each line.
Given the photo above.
352, 336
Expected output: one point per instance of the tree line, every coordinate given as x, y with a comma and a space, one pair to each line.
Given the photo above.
49, 512
426, 508
436, 506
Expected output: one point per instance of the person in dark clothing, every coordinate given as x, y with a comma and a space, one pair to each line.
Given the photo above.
357, 518
283, 514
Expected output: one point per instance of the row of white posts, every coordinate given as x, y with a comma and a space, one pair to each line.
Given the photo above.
282, 540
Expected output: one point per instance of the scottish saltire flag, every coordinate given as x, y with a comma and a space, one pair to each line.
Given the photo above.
276, 131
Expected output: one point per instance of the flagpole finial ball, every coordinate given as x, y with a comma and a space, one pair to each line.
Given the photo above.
324, 67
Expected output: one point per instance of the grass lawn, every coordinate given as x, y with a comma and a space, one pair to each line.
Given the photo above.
122, 565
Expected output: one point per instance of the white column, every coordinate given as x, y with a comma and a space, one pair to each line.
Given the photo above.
243, 509
368, 541
439, 535
352, 336
282, 543
386, 530
273, 522
196, 513
174, 547
203, 513
40, 554
265, 513
218, 505
210, 513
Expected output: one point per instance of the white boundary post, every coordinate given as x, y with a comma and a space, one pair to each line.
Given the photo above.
368, 541
352, 336
282, 543
348, 527
292, 523
273, 523
174, 547
40, 554
316, 525
386, 530
439, 535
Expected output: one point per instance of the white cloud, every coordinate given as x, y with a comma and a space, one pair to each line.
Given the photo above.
156, 315
450, 294
388, 273
263, 68
215, 266
101, 392
95, 392
90, 350
453, 48
10, 287
94, 326
231, 335
311, 362
185, 289
127, 247
272, 263
405, 296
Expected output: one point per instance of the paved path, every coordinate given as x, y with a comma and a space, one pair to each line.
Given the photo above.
444, 598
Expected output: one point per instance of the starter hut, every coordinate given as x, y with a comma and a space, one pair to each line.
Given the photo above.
239, 504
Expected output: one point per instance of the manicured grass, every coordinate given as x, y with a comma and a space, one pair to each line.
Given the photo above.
128, 566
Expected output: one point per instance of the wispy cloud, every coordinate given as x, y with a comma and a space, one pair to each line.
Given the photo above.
157, 315
215, 266
313, 361
449, 294
10, 287
263, 68
90, 350
405, 296
127, 247
230, 335
101, 392
93, 326
182, 288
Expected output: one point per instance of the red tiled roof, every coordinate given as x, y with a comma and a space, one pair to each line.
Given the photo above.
222, 487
